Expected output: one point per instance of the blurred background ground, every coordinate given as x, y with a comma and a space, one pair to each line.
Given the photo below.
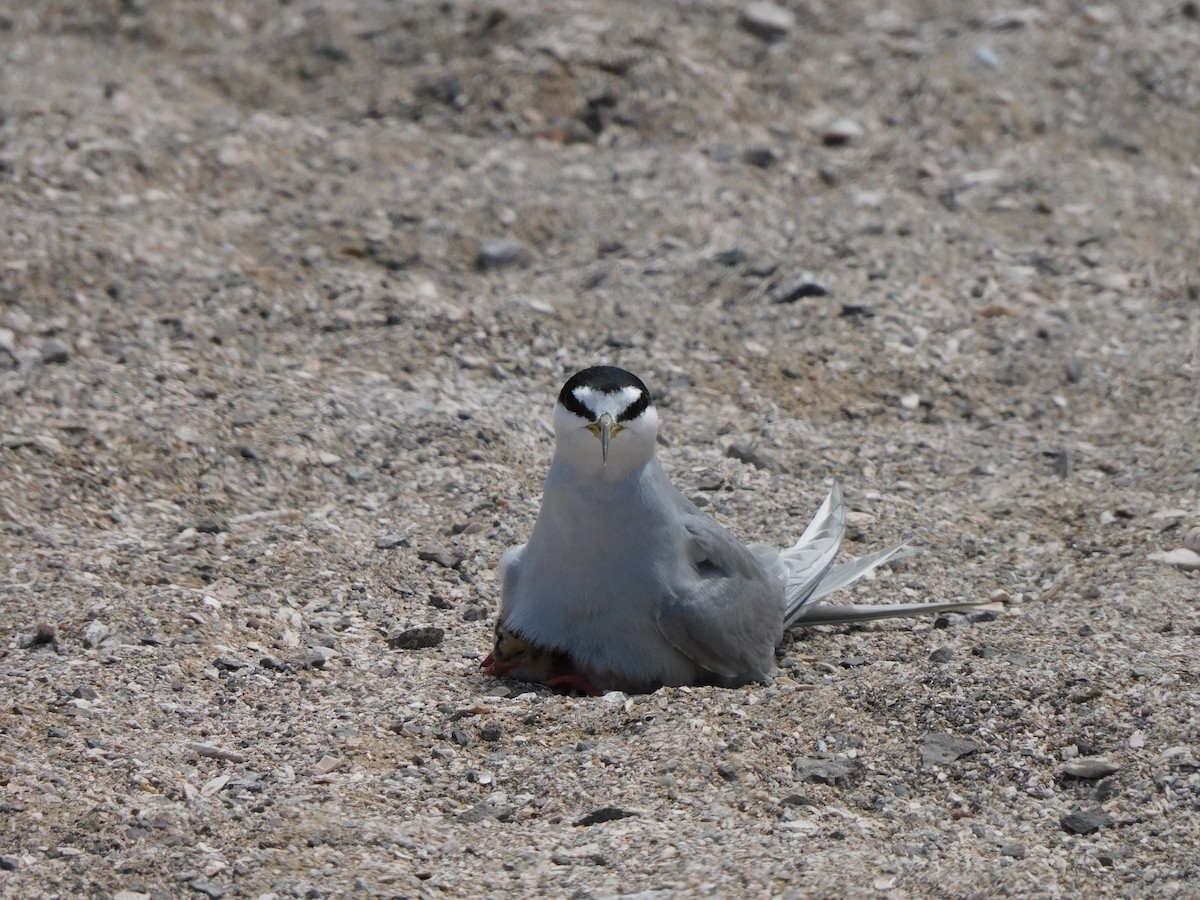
287, 290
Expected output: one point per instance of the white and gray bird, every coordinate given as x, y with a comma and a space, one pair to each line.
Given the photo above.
625, 584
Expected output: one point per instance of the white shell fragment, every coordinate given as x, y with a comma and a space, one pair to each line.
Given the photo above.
1180, 558
1090, 767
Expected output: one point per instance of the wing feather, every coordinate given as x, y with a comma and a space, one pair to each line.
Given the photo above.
728, 617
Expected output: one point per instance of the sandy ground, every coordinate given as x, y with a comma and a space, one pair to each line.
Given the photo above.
287, 290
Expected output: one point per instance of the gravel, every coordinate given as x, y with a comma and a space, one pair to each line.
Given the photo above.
286, 294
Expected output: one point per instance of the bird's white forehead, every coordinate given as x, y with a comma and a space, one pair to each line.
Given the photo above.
612, 402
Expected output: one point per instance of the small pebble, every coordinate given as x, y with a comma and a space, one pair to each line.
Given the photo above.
208, 888
941, 655
1064, 463
1015, 851
213, 752
761, 158
1085, 821
799, 288
604, 814
797, 800
1090, 767
841, 132
498, 254
327, 764
484, 810
1180, 558
938, 749
94, 634
988, 57
766, 21
391, 541
443, 556
54, 351
231, 664
418, 638
857, 310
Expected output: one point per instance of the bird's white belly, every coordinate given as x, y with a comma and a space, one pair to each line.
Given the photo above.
597, 590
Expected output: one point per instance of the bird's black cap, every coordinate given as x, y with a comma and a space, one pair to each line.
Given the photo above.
604, 380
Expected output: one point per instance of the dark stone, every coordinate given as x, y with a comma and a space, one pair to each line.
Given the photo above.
941, 655
857, 310
604, 814
798, 290
498, 254
418, 638
230, 664
759, 157
1085, 821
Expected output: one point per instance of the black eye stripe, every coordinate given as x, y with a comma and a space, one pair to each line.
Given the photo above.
604, 380
636, 408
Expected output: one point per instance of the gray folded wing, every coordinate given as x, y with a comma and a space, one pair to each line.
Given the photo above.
729, 616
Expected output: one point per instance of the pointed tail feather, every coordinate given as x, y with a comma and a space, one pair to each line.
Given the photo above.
812, 576
846, 573
809, 559
849, 613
